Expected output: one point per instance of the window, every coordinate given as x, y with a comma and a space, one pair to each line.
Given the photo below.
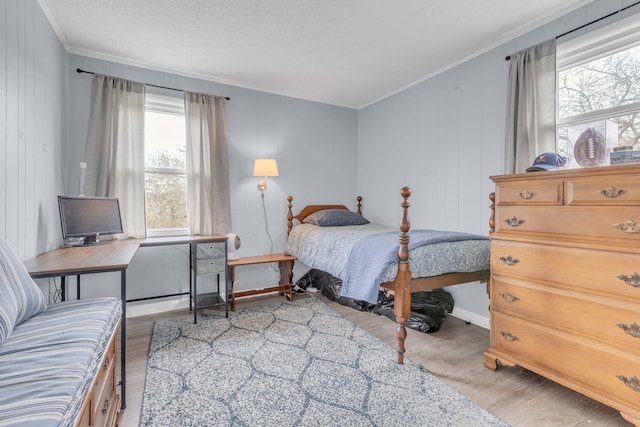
599, 94
165, 166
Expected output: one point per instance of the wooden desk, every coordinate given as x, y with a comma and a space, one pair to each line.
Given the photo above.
285, 262
85, 260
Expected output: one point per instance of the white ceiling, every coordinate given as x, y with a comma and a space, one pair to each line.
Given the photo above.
343, 52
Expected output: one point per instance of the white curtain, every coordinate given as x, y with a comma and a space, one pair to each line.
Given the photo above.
531, 106
207, 164
114, 150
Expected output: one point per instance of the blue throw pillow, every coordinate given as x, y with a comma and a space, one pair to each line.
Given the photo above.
335, 217
20, 296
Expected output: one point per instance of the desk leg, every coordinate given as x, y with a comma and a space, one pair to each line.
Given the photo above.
63, 293
78, 286
195, 298
286, 278
190, 277
123, 339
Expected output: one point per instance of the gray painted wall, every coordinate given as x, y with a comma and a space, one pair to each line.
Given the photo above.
444, 137
315, 145
33, 99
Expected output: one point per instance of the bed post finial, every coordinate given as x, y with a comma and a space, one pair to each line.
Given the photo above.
359, 199
405, 225
289, 215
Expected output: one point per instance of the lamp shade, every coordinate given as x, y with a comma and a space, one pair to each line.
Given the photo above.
265, 167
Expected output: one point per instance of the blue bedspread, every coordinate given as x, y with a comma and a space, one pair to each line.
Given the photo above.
370, 257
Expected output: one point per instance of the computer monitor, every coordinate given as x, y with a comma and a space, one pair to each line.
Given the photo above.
89, 217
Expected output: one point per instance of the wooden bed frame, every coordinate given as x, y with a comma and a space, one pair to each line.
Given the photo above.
403, 285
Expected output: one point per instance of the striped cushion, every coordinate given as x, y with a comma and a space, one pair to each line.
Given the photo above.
20, 297
48, 363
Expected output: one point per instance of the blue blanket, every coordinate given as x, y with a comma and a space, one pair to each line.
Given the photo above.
370, 257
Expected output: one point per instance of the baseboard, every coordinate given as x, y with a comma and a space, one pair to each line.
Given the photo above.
471, 317
143, 308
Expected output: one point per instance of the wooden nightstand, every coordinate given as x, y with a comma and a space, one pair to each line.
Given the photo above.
285, 262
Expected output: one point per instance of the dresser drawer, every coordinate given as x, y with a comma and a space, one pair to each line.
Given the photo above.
543, 192
619, 225
210, 250
105, 370
614, 190
607, 273
601, 371
209, 266
106, 400
603, 319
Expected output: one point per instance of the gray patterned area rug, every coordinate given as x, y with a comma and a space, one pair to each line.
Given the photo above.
290, 364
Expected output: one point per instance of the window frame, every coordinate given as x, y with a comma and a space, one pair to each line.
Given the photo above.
174, 106
605, 41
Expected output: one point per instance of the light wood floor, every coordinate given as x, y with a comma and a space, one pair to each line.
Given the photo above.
454, 354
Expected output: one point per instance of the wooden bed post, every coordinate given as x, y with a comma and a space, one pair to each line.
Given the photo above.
402, 295
289, 215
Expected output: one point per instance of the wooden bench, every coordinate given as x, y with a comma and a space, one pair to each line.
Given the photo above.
285, 263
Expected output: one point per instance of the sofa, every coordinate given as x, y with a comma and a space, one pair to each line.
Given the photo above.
57, 361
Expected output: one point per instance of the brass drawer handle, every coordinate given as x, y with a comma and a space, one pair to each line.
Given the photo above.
509, 260
509, 336
612, 192
514, 222
629, 227
632, 280
526, 194
632, 329
105, 407
509, 297
632, 382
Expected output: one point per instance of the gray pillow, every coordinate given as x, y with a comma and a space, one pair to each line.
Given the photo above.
335, 217
20, 296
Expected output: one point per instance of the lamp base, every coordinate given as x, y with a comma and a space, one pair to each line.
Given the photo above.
262, 185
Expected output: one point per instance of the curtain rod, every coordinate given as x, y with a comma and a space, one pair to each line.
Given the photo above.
79, 70
589, 23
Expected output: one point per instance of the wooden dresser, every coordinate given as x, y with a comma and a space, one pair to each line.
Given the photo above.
565, 280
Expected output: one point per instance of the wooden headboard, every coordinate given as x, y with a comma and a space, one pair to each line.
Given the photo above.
309, 209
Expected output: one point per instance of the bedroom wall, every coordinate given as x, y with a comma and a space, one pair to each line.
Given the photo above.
444, 137
314, 144
33, 88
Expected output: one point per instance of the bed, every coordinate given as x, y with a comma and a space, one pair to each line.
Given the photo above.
350, 247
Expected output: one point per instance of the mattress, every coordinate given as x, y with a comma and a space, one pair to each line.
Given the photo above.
329, 248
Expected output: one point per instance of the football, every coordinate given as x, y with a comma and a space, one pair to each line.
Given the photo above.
590, 149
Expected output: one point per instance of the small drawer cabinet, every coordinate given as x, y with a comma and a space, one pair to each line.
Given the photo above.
209, 257
565, 280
